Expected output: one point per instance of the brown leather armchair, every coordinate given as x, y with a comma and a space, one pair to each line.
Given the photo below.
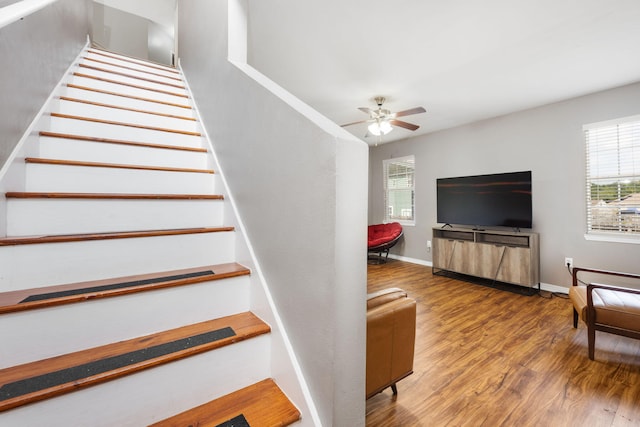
391, 332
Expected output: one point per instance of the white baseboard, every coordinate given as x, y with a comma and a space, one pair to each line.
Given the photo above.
543, 286
554, 288
411, 260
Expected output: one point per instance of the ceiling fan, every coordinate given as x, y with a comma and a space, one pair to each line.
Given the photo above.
382, 120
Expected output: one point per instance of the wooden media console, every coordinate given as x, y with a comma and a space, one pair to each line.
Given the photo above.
502, 256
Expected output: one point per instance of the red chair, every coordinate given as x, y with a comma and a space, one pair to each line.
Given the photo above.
381, 238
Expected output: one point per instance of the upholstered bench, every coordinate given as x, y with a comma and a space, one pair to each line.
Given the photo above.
391, 332
605, 308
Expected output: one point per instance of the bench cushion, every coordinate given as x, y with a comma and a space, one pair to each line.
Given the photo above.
618, 309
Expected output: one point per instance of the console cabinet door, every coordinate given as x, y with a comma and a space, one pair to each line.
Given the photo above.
488, 259
463, 257
453, 255
516, 266
441, 252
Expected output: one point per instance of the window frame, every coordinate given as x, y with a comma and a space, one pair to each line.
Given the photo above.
386, 191
596, 130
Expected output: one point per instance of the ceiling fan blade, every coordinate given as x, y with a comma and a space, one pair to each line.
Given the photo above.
354, 123
365, 110
405, 125
416, 110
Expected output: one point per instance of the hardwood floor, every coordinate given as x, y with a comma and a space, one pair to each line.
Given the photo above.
489, 357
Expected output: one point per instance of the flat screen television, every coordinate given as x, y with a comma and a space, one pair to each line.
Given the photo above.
502, 199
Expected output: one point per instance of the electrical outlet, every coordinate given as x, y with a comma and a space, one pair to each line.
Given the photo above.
428, 245
568, 262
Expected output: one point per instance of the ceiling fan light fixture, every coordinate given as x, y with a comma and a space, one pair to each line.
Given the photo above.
380, 128
381, 121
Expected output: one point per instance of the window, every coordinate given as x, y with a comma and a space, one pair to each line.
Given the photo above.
613, 178
399, 190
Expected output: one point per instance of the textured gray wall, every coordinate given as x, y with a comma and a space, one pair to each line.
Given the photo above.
36, 52
548, 141
302, 196
123, 32
119, 31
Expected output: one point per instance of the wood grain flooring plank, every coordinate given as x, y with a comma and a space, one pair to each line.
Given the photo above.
489, 357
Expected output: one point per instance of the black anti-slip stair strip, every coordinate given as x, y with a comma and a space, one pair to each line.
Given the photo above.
77, 373
239, 421
102, 288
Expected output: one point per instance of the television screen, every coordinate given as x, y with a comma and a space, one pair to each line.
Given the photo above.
502, 199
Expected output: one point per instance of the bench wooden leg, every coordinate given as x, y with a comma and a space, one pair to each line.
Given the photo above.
591, 339
394, 389
575, 318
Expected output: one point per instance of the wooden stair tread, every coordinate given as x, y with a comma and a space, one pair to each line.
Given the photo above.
102, 79
28, 240
133, 125
123, 74
262, 404
120, 141
86, 58
125, 58
110, 196
59, 162
124, 95
28, 299
118, 107
62, 372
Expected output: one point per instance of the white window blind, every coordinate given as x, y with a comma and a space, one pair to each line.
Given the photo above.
613, 177
399, 189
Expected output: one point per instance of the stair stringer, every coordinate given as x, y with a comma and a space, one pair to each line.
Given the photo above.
285, 367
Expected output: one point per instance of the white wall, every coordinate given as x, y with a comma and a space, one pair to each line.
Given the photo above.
301, 193
548, 141
120, 31
130, 29
36, 51
159, 11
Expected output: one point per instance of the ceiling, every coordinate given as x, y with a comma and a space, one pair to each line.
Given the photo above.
462, 60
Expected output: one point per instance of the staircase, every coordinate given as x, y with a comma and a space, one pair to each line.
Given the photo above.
121, 302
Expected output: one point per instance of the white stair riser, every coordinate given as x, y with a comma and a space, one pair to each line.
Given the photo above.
102, 152
126, 133
54, 331
84, 179
37, 265
27, 217
165, 96
127, 69
132, 81
114, 114
123, 101
153, 394
128, 62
